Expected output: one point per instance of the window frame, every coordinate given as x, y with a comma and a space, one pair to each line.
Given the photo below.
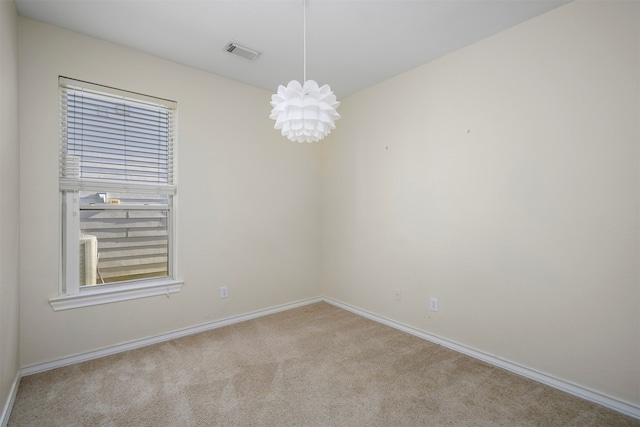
70, 293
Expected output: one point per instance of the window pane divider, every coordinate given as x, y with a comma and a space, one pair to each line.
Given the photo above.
124, 206
74, 184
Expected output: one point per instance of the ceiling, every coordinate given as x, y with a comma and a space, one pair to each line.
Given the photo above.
351, 44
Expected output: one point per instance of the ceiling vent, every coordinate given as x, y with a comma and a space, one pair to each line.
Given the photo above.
242, 50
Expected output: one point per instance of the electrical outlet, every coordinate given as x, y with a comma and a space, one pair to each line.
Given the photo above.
224, 291
433, 304
397, 295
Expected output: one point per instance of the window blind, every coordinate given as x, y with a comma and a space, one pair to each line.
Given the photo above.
115, 139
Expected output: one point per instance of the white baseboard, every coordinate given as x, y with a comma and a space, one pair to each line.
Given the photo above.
119, 348
568, 387
6, 409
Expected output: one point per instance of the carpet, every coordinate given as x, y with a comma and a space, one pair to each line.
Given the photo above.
317, 365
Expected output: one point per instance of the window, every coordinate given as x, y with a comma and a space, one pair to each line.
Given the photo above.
117, 189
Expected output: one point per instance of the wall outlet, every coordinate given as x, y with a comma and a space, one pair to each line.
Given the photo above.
397, 295
224, 291
433, 304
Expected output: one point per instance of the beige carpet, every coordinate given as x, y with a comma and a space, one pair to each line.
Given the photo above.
313, 366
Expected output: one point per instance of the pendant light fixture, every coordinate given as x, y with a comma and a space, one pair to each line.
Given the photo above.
304, 112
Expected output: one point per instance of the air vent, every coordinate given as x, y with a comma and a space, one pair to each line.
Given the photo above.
242, 50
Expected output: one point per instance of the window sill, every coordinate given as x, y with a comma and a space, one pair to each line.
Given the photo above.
115, 293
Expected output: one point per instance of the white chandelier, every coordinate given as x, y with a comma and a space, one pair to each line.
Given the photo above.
304, 112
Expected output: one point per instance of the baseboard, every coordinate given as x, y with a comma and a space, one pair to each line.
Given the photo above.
70, 360
568, 387
6, 409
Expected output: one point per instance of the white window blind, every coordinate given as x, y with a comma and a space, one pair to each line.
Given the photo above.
111, 140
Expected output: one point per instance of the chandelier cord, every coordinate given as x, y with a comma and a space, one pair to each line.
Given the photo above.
304, 38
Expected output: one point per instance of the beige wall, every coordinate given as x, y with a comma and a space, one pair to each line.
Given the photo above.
248, 200
9, 206
503, 180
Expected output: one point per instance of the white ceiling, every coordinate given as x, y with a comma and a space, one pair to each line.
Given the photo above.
351, 44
